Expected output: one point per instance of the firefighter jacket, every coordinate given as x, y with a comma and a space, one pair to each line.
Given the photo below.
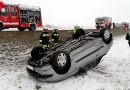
55, 37
44, 39
77, 33
128, 38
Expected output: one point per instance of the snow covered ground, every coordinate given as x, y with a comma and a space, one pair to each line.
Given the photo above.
113, 73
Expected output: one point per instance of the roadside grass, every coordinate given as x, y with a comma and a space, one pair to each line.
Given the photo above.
21, 41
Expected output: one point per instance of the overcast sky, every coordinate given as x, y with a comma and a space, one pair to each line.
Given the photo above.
81, 12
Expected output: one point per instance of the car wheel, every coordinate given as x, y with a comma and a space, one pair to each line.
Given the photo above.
37, 52
106, 35
32, 27
21, 29
61, 62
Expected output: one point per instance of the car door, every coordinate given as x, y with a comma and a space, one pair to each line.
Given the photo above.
85, 54
14, 17
5, 14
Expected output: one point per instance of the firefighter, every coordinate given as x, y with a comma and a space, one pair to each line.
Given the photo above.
114, 26
77, 32
55, 36
128, 38
45, 39
32, 19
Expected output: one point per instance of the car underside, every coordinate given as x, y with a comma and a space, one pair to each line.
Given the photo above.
66, 59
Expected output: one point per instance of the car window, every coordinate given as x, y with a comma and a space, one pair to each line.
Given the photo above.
7, 11
37, 16
13, 11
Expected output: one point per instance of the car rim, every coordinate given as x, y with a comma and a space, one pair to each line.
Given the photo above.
61, 59
107, 34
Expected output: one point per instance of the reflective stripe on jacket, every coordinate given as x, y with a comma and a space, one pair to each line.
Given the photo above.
74, 31
56, 34
55, 37
44, 39
44, 35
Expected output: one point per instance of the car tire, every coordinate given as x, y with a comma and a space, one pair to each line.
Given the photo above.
37, 52
61, 62
106, 35
21, 29
32, 27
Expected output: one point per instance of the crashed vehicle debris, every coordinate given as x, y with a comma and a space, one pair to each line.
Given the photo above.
64, 60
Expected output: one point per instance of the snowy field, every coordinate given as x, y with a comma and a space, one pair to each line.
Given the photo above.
113, 73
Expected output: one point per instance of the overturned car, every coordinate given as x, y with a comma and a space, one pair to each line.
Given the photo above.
64, 60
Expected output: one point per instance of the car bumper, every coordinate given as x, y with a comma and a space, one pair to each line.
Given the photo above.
47, 73
37, 75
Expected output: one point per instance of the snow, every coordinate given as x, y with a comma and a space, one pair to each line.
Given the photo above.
113, 73
15, 29
25, 7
